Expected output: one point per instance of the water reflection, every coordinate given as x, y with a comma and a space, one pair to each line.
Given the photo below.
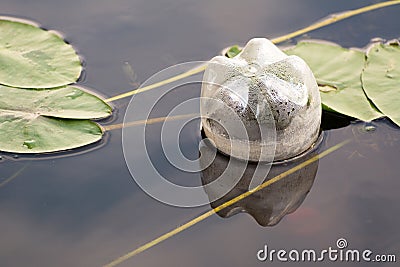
269, 205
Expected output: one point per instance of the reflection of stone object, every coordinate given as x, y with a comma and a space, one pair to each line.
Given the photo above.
269, 205
268, 91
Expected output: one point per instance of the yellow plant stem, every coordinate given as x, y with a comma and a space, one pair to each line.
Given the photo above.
155, 85
148, 121
335, 18
224, 205
325, 22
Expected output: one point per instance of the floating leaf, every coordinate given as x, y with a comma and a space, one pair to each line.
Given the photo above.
38, 121
381, 79
338, 71
233, 51
67, 102
31, 57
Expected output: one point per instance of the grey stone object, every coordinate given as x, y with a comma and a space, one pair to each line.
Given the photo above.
261, 105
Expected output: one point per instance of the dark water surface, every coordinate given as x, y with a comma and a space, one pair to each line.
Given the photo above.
84, 209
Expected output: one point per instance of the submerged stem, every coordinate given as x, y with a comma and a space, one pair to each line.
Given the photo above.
15, 175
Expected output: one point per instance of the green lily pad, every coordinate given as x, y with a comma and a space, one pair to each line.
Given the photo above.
31, 57
38, 121
381, 79
337, 71
233, 51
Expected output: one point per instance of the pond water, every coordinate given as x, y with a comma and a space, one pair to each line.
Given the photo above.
84, 208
